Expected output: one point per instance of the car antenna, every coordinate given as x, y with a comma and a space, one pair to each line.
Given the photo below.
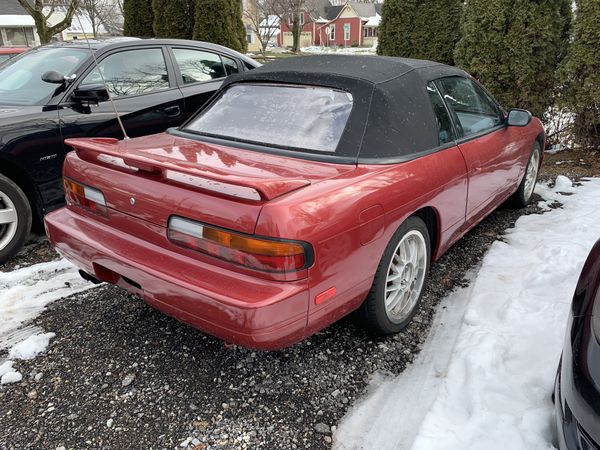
103, 80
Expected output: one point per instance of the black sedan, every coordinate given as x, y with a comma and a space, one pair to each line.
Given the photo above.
577, 390
56, 92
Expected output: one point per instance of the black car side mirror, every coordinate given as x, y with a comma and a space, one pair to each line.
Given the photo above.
90, 94
54, 77
518, 118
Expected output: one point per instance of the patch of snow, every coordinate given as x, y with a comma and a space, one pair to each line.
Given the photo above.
556, 148
5, 367
496, 391
24, 293
11, 377
31, 347
563, 184
417, 386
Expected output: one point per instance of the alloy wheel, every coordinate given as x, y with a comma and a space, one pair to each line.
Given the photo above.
9, 220
531, 174
405, 276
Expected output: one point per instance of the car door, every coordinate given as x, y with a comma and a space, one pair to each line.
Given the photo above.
141, 83
200, 73
489, 152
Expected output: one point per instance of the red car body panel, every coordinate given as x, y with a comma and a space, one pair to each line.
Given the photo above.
348, 213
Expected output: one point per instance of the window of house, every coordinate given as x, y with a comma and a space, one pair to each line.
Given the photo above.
346, 31
442, 118
16, 36
332, 31
197, 65
473, 110
249, 34
132, 72
300, 19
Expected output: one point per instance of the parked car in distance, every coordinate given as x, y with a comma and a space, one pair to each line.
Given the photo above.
304, 190
10, 52
577, 388
55, 92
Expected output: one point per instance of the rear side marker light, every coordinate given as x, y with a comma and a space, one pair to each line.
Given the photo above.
263, 254
86, 197
325, 295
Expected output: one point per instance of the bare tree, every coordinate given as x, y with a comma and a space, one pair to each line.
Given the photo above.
260, 15
44, 29
291, 10
103, 12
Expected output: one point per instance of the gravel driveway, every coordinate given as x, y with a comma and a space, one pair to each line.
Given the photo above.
120, 375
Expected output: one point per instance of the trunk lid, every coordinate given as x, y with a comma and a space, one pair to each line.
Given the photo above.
154, 177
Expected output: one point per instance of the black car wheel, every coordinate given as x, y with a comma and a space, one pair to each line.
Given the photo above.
15, 218
398, 285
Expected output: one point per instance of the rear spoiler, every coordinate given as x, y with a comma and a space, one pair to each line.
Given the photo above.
90, 149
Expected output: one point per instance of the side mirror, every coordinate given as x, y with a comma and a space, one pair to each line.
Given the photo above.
54, 77
519, 118
90, 94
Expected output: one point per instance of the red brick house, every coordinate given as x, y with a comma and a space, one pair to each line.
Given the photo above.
349, 24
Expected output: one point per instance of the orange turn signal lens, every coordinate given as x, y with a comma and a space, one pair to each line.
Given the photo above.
257, 253
85, 196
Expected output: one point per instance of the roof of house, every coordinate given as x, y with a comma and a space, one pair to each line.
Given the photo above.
364, 10
331, 12
373, 21
12, 7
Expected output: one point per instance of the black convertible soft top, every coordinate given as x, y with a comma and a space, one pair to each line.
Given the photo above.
392, 117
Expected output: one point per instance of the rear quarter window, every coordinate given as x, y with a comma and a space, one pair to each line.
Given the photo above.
198, 65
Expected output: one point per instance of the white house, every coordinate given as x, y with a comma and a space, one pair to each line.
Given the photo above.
17, 28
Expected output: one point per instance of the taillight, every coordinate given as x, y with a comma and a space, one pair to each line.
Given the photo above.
256, 253
85, 196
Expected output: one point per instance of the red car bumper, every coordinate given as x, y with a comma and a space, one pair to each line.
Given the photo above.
237, 308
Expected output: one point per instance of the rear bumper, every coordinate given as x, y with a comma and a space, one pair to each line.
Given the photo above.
237, 308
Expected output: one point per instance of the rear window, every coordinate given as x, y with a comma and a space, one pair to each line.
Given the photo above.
295, 117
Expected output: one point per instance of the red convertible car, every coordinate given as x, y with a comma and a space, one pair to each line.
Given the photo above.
306, 189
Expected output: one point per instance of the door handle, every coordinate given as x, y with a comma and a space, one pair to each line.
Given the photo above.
172, 111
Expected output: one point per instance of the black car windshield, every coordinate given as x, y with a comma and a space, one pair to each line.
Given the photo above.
286, 116
21, 77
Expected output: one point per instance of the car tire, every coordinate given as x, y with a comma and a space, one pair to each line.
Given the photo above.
15, 218
522, 197
398, 285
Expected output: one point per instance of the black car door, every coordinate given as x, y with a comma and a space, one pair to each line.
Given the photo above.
142, 84
200, 73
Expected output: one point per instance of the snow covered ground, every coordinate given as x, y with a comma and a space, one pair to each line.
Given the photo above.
24, 293
485, 375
